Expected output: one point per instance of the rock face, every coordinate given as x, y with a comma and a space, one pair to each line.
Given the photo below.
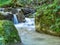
27, 11
14, 11
2, 17
21, 17
8, 32
20, 13
6, 17
9, 15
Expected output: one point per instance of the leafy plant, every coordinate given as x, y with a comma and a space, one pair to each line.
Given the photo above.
49, 16
4, 2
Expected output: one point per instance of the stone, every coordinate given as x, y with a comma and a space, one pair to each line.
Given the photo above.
20, 16
6, 17
9, 17
2, 17
28, 11
14, 11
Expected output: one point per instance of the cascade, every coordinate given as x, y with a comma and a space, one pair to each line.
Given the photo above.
15, 19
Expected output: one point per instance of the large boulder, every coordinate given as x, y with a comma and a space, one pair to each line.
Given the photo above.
8, 32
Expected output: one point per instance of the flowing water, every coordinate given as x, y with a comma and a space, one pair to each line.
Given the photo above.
15, 19
28, 24
30, 37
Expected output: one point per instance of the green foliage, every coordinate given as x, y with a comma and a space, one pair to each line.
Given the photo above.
4, 2
8, 32
32, 3
49, 16
24, 2
15, 2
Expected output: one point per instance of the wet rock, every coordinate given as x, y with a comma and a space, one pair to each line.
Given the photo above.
6, 17
9, 12
1, 9
2, 17
9, 17
14, 11
26, 11
21, 17
8, 9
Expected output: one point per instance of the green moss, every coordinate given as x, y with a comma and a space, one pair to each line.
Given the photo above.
9, 32
4, 2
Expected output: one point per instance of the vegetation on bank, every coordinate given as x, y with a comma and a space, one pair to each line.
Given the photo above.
48, 18
24, 3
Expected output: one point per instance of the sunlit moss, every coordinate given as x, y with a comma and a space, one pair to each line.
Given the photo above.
4, 2
9, 32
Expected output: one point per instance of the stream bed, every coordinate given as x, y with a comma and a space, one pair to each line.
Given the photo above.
30, 37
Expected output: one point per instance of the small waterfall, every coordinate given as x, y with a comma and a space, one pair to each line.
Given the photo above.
15, 19
29, 24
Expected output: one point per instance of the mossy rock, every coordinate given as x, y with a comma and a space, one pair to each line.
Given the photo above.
8, 32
